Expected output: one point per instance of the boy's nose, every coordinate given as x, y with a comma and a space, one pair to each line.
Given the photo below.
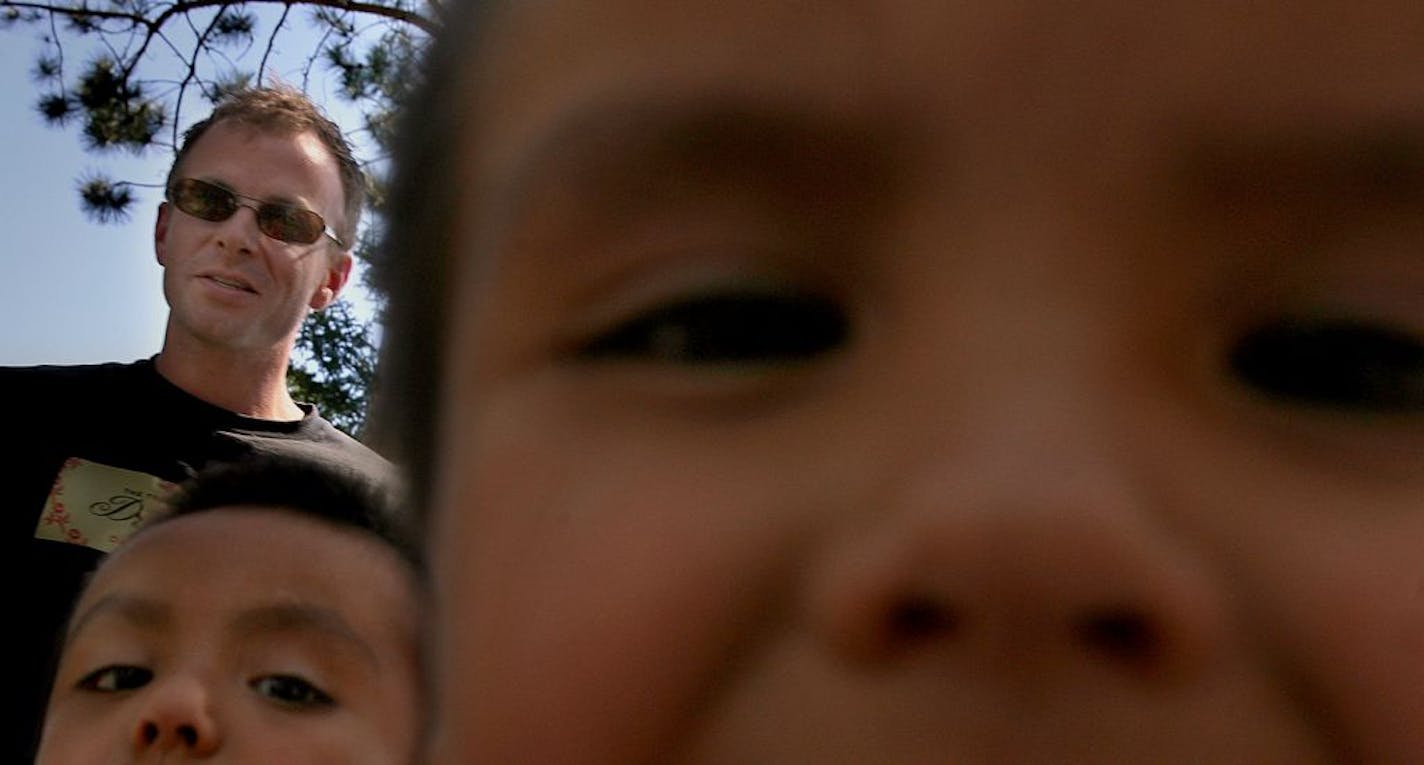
1017, 521
1041, 579
176, 717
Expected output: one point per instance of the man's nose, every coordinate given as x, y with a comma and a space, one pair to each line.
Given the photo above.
177, 716
240, 231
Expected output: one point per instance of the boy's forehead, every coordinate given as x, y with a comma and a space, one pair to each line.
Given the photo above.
1057, 68
256, 554
262, 534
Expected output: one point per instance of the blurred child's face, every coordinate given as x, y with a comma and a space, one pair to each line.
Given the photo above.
244, 636
907, 382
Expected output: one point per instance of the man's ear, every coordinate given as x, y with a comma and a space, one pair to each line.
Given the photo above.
336, 275
160, 233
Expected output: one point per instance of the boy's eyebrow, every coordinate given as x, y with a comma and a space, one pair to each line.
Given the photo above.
1371, 161
265, 619
135, 609
692, 140
290, 617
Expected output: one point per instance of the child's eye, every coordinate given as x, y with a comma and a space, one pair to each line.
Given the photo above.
728, 328
115, 678
292, 691
1342, 364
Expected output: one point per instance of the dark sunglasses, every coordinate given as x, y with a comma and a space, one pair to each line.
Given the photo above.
287, 223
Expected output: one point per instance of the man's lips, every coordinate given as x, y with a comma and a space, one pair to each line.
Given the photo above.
230, 282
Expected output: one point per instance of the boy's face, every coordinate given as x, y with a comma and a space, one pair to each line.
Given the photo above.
905, 382
245, 636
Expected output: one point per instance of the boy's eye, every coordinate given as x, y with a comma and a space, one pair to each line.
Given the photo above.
728, 328
292, 691
1341, 364
115, 678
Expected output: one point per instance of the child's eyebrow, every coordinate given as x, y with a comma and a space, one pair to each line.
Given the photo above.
1371, 162
628, 146
297, 617
134, 609
275, 618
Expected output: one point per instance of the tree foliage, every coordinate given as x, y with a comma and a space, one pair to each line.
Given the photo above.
340, 361
130, 75
141, 63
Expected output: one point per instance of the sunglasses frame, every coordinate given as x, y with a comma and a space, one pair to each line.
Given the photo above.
242, 200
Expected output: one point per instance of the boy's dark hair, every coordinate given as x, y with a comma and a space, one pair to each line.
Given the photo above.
413, 267
284, 109
317, 488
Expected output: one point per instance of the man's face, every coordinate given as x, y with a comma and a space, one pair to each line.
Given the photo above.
245, 636
229, 285
902, 382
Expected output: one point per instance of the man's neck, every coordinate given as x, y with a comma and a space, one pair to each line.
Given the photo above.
249, 384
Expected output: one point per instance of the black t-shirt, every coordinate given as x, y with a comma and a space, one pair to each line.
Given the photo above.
88, 450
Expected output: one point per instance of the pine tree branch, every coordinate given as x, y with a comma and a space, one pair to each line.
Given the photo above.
390, 12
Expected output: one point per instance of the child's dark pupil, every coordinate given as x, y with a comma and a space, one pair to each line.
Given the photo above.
1334, 363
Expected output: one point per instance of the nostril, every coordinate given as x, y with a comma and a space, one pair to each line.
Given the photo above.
189, 734
149, 733
919, 619
1123, 635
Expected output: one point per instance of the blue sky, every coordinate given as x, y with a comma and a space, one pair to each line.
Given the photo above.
72, 290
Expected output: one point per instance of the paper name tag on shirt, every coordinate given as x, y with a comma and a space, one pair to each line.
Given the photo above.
98, 505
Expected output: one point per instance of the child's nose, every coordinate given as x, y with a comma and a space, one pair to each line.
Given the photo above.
176, 716
1030, 584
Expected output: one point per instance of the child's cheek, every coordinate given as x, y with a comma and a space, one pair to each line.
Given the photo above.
1328, 584
595, 587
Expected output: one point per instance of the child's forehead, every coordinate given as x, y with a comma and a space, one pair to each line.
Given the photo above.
263, 570
248, 544
960, 100
1005, 48
1099, 81
255, 521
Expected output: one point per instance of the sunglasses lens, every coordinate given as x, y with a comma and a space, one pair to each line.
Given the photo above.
287, 223
290, 224
203, 200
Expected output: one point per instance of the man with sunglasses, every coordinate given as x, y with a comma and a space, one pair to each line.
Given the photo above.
255, 231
